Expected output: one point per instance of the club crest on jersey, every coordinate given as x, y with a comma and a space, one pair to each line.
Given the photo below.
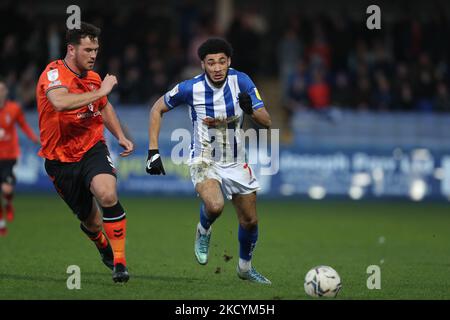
52, 75
91, 107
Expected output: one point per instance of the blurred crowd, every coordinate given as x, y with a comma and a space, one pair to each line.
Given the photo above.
333, 61
320, 60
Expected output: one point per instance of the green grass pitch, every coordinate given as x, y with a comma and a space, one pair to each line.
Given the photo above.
409, 241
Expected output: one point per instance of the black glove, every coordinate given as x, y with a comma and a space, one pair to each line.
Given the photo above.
154, 163
245, 102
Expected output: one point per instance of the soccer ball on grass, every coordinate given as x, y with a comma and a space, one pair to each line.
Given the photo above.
322, 281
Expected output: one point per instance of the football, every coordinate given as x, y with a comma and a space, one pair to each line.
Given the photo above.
322, 281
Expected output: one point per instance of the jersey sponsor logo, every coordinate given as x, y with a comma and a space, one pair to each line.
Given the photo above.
174, 91
54, 83
90, 114
52, 75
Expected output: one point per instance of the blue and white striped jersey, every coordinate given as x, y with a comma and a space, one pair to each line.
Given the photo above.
223, 143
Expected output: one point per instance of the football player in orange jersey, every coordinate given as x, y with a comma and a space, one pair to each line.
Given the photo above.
10, 115
73, 111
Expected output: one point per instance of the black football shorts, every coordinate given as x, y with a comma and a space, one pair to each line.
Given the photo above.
6, 171
72, 180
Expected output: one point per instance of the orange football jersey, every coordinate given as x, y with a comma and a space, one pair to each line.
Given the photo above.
67, 135
10, 115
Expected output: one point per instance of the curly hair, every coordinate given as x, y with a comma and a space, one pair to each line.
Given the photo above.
214, 45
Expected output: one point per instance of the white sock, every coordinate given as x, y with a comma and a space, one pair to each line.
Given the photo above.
245, 265
2, 223
203, 230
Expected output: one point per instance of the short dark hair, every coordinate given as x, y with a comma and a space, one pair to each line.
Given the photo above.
74, 36
214, 45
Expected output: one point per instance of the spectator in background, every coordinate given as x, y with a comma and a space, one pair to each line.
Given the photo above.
131, 57
402, 75
425, 84
289, 52
382, 100
11, 56
174, 60
26, 90
187, 14
340, 41
319, 53
359, 59
342, 93
157, 80
381, 58
404, 98
53, 42
114, 66
319, 90
363, 94
246, 41
131, 88
201, 32
297, 94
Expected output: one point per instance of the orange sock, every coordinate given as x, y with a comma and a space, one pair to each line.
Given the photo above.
100, 240
116, 232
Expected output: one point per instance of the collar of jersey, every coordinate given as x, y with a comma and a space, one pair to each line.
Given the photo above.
75, 73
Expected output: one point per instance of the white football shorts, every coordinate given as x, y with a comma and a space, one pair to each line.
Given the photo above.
234, 178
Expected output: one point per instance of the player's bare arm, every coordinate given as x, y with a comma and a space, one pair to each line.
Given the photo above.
113, 125
156, 113
262, 117
62, 100
26, 128
154, 164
